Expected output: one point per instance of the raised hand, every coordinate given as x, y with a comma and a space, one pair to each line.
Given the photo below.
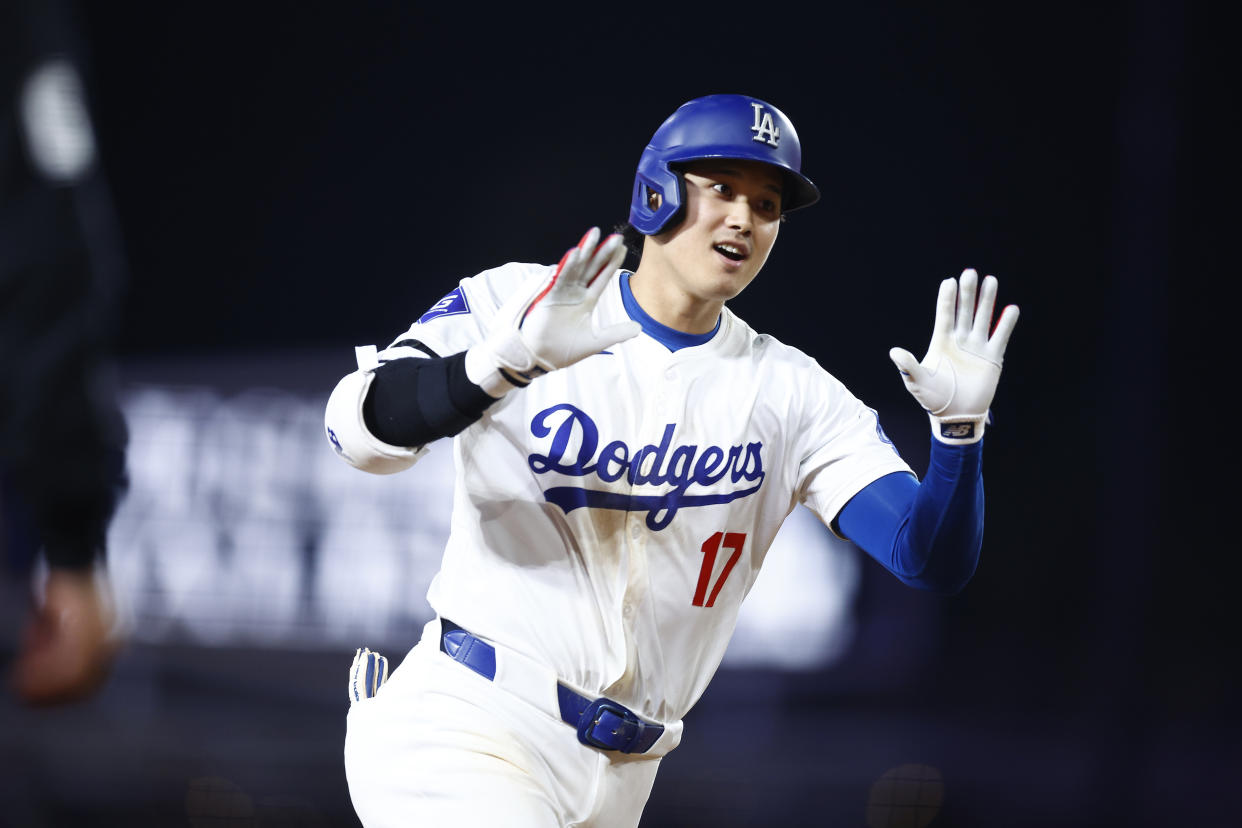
548, 324
956, 380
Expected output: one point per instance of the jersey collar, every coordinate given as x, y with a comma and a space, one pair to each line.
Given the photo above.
670, 338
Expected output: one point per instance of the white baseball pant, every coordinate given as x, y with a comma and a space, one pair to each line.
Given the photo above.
440, 745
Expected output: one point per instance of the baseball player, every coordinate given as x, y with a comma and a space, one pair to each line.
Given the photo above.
626, 449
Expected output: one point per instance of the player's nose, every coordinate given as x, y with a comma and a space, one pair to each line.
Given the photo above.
740, 216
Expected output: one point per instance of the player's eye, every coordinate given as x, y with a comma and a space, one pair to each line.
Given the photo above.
722, 188
768, 206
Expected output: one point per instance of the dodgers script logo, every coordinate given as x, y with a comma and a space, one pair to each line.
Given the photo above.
678, 468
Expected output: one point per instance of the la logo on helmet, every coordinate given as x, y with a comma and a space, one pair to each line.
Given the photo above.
765, 131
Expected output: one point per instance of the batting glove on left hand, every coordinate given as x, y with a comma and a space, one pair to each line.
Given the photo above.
548, 323
956, 380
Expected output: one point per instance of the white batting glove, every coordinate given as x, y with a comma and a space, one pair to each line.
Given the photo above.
547, 323
957, 379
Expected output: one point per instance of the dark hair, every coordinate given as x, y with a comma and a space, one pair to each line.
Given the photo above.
633, 244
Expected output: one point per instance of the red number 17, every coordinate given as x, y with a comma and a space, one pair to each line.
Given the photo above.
732, 540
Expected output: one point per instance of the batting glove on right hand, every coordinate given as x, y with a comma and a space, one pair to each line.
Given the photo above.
956, 380
548, 323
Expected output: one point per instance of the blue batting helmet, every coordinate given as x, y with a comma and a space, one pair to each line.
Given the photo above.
715, 126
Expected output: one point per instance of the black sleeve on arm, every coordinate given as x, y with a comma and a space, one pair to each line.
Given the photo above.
413, 401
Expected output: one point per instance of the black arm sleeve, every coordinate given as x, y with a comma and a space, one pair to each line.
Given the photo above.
413, 401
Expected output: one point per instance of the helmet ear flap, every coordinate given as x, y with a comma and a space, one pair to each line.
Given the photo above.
674, 216
655, 178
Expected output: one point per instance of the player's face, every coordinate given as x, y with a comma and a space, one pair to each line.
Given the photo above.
733, 211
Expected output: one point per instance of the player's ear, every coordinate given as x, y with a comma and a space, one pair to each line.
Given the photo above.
653, 200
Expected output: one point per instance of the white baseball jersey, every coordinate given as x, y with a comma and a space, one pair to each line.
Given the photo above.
610, 517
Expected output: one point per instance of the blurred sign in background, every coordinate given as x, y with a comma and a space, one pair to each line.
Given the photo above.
293, 180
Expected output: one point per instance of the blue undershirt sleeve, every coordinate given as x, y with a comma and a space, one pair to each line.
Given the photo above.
928, 534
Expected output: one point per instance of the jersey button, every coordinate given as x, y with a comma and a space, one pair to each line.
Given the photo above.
635, 531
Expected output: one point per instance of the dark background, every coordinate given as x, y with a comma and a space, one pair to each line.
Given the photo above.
302, 178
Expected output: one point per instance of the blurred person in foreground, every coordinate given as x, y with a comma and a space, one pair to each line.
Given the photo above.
62, 434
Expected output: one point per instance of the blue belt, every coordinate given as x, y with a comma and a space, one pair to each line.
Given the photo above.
601, 723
